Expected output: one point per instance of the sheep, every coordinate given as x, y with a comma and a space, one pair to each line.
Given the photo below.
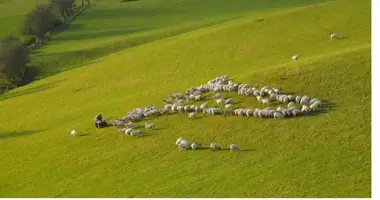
164, 111
305, 109
180, 108
296, 112
230, 106
295, 58
199, 97
177, 96
183, 144
227, 111
229, 101
192, 115
305, 100
220, 101
291, 97
315, 105
118, 123
128, 131
168, 101
234, 147
180, 101
216, 111
298, 99
278, 115
214, 147
314, 100
197, 109
149, 126
265, 101
187, 109
249, 112
168, 106
73, 133
135, 133
203, 106
129, 124
195, 146
217, 96
291, 104
178, 141
334, 36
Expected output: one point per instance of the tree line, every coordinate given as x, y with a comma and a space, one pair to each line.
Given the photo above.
37, 28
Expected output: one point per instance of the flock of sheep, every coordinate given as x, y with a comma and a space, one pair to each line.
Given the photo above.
176, 103
181, 103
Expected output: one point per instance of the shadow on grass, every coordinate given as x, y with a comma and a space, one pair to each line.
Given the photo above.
147, 134
126, 12
98, 33
29, 91
8, 135
82, 135
223, 149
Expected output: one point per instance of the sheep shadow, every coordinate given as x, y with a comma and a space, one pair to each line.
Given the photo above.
225, 149
326, 108
147, 134
158, 129
82, 135
8, 135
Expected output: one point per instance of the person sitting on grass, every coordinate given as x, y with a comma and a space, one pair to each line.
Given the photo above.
99, 122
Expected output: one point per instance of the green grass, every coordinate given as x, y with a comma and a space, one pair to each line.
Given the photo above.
323, 155
13, 13
110, 26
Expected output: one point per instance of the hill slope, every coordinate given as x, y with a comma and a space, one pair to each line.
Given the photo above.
110, 26
324, 155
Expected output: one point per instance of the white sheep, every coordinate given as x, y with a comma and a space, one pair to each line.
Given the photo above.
192, 115
234, 147
129, 124
149, 126
229, 101
178, 141
128, 131
334, 36
195, 146
220, 101
278, 114
73, 132
305, 100
135, 133
184, 144
229, 106
214, 147
295, 57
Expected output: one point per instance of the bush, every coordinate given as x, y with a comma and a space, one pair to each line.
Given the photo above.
14, 57
39, 21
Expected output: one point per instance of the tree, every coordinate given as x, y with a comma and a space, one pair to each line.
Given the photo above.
13, 59
39, 21
63, 7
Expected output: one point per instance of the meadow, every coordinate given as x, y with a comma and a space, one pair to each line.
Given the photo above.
119, 56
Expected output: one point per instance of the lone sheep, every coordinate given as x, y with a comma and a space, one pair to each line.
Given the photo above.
234, 147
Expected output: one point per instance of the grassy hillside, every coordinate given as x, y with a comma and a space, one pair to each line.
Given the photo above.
324, 155
110, 26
